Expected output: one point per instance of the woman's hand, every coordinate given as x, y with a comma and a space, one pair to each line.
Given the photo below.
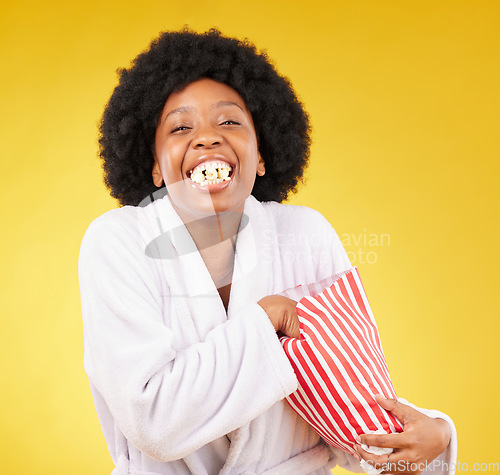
282, 313
422, 440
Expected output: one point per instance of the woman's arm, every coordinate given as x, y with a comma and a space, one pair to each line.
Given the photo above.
169, 402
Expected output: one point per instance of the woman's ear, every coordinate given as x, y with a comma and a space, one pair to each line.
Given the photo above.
261, 167
157, 177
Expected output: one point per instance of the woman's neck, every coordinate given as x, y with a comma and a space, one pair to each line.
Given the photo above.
215, 237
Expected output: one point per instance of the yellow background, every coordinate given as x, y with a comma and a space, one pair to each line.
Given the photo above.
404, 101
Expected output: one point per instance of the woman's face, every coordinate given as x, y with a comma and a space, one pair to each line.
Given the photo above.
206, 150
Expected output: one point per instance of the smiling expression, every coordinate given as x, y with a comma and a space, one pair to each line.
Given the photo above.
206, 149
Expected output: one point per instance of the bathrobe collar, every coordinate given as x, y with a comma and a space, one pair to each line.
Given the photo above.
167, 238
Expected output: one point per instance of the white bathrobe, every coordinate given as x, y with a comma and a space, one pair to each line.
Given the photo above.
179, 385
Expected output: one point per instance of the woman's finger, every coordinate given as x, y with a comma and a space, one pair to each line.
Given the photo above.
403, 412
394, 441
291, 320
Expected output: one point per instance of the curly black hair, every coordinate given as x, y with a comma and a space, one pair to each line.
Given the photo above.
175, 59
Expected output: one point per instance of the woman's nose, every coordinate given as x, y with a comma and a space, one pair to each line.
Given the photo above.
207, 137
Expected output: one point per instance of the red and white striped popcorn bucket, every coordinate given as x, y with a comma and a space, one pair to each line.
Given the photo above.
339, 363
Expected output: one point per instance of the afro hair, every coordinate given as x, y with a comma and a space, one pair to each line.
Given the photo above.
174, 60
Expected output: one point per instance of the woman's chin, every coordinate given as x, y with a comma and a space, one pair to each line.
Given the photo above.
203, 206
194, 201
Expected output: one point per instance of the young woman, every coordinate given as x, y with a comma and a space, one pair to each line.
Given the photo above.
201, 141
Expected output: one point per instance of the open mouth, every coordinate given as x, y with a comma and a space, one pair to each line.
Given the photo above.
210, 173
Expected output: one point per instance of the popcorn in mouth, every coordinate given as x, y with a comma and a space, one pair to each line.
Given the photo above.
209, 173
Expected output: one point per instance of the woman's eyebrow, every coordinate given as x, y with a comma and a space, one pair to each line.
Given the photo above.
219, 104
179, 110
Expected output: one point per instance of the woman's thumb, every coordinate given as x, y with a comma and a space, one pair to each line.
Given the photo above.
398, 409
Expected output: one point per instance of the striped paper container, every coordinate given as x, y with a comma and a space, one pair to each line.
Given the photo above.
339, 363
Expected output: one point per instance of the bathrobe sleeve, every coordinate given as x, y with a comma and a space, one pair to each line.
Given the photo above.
169, 402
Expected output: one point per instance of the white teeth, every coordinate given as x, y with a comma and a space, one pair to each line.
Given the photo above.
210, 173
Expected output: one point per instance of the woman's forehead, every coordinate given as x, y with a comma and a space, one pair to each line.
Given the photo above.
204, 92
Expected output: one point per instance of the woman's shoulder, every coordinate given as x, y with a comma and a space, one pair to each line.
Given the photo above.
119, 219
116, 228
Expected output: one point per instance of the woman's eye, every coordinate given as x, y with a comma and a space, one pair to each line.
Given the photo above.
230, 122
179, 128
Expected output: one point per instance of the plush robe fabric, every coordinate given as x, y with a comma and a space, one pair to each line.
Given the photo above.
179, 385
